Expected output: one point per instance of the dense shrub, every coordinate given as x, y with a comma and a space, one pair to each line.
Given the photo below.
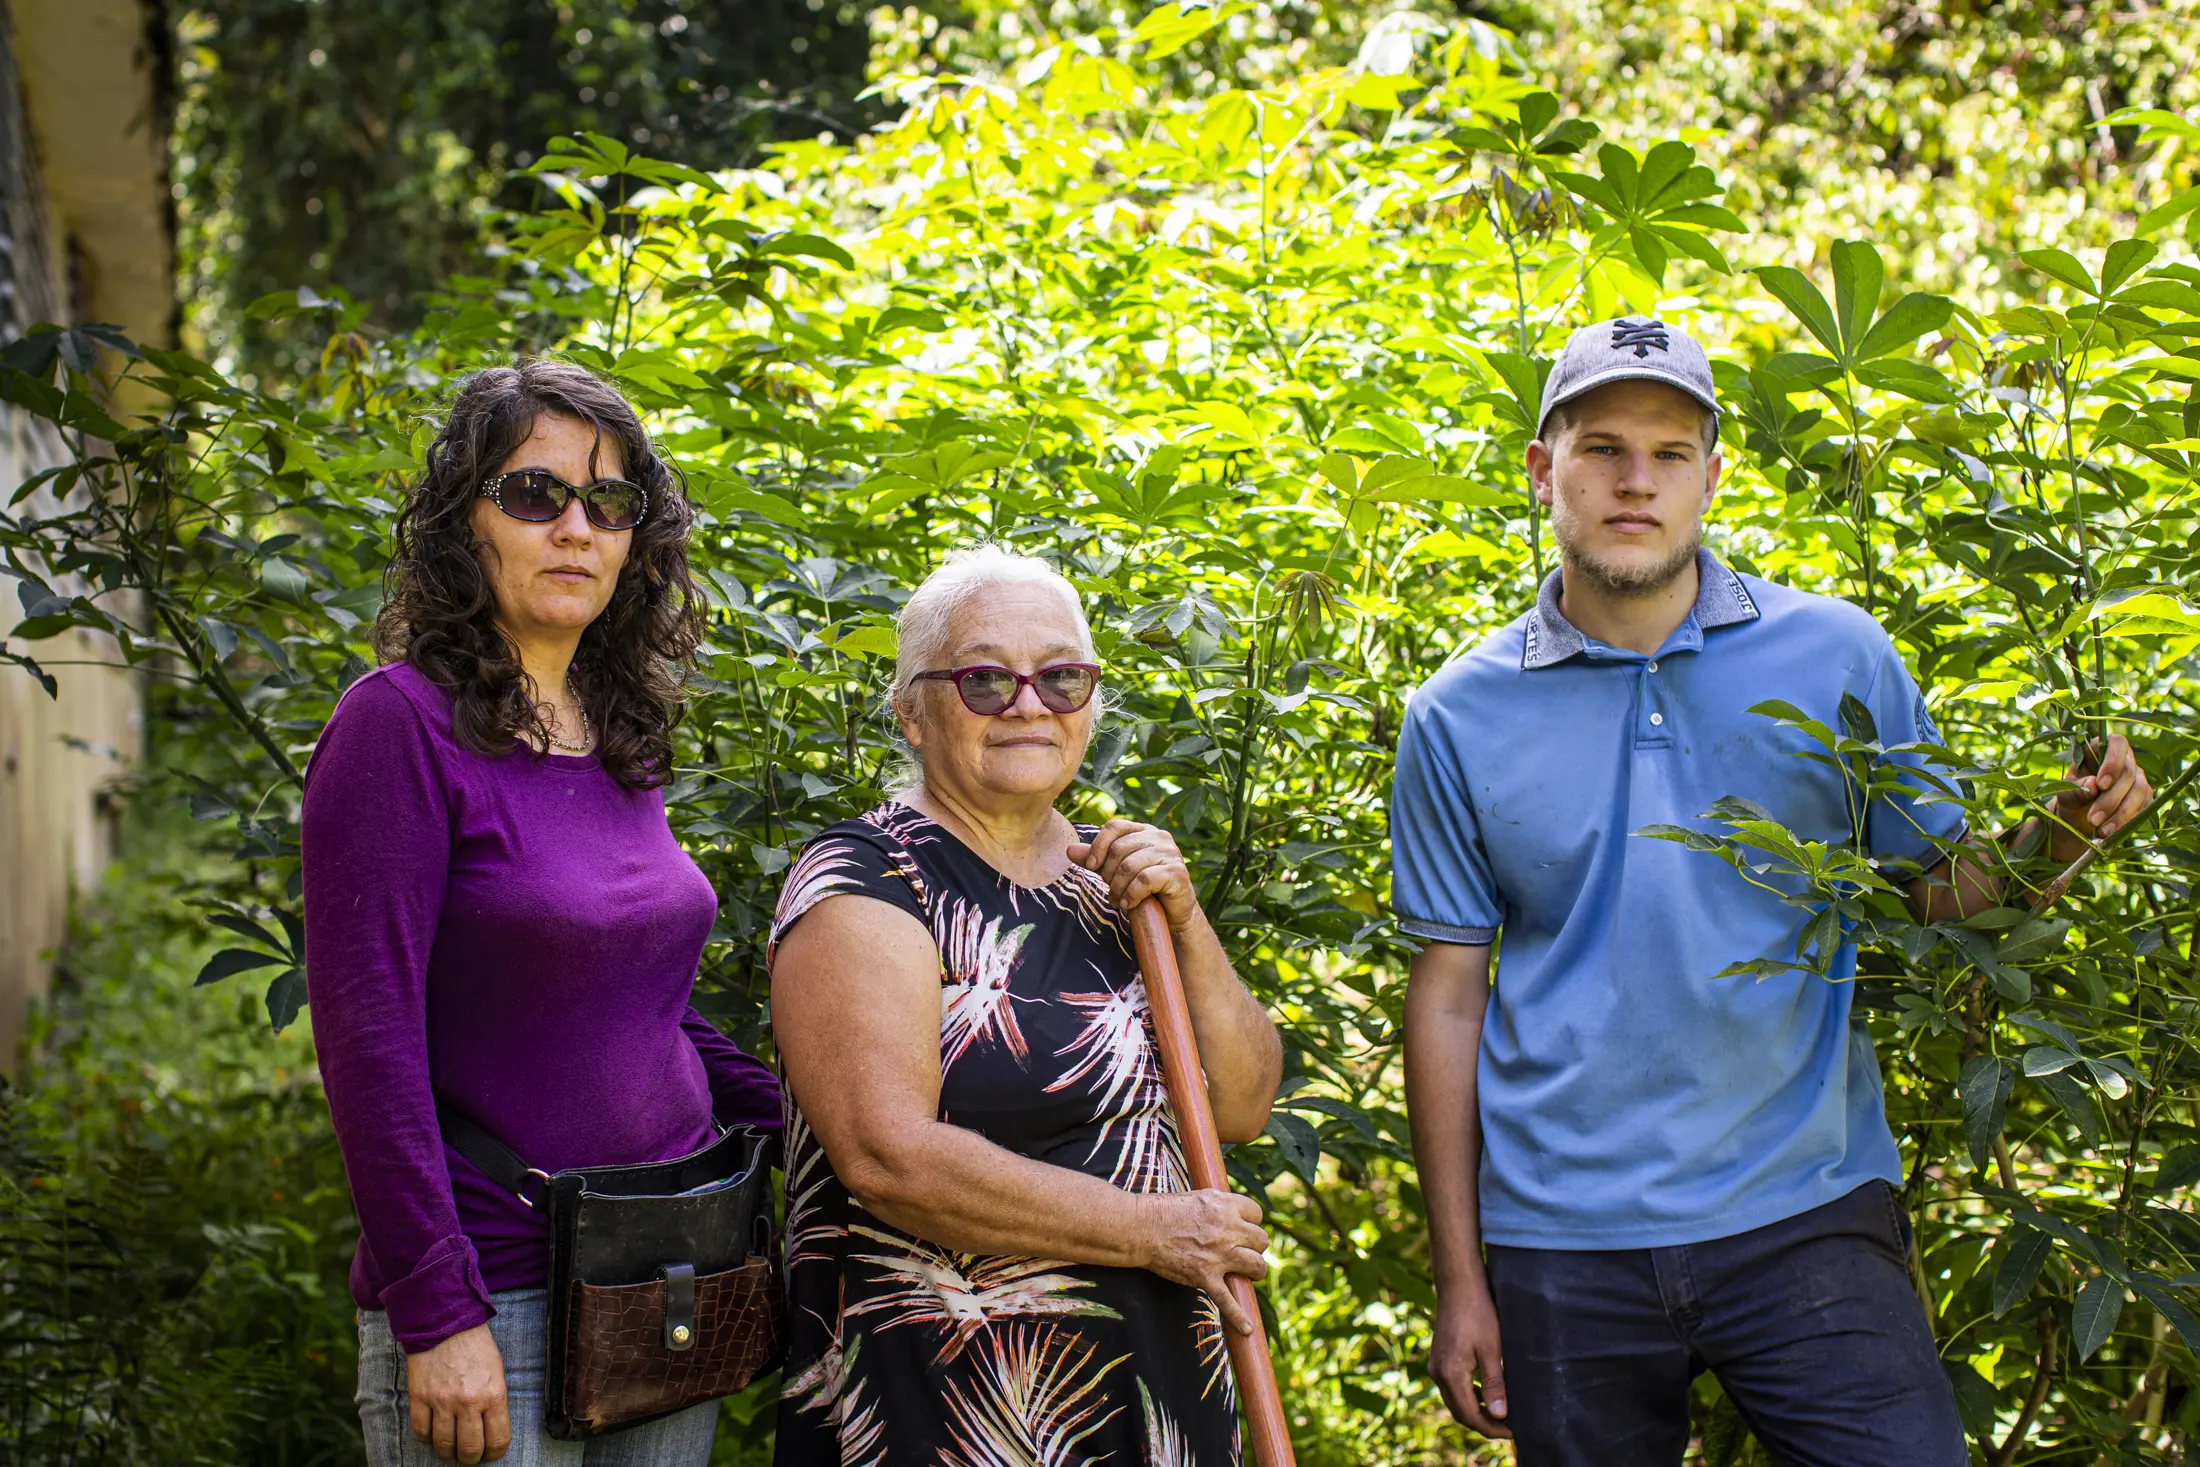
174, 1229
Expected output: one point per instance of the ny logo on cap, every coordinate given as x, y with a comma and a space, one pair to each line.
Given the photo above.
1641, 335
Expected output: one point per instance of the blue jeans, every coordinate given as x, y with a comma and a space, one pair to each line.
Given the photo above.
1811, 1325
521, 1329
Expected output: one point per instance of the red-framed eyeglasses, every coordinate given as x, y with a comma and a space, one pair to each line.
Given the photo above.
990, 691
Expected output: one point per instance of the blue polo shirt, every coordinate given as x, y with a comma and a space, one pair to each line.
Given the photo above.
1630, 1099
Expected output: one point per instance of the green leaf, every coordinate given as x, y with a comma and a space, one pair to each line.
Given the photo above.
1170, 28
1342, 471
2045, 1027
2093, 1317
870, 641
2158, 1293
2047, 1059
1916, 314
1689, 836
231, 960
1593, 190
2153, 120
2180, 1168
1662, 167
1297, 1140
285, 996
246, 928
2162, 295
1401, 480
2023, 1253
2032, 939
1694, 245
2075, 1103
1857, 277
38, 628
1523, 378
2060, 265
1984, 1087
2013, 984
1793, 289
815, 246
284, 581
1570, 136
2163, 215
1913, 380
1857, 721
1537, 110
1621, 173
34, 351
1738, 808
25, 391
1360, 1398
1974, 1395
2125, 258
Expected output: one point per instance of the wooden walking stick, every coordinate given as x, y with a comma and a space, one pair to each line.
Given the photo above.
1195, 1124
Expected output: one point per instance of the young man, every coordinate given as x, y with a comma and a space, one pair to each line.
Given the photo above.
1676, 1172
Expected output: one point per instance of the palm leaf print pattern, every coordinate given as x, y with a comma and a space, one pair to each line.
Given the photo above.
1081, 895
1165, 1444
829, 1384
905, 1352
824, 869
1032, 1402
962, 1293
902, 824
1214, 1354
1115, 1054
809, 1183
977, 959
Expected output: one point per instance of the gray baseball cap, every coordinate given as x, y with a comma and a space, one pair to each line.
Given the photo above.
1628, 350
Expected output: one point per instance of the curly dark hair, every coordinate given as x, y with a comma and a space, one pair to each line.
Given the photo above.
437, 607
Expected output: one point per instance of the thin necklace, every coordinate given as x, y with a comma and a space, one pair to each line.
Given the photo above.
588, 735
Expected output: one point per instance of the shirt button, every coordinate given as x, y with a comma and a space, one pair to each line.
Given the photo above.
1653, 667
1656, 719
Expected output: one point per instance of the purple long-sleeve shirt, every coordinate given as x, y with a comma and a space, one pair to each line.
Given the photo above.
519, 936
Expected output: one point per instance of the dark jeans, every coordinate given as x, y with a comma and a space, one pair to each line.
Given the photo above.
1811, 1324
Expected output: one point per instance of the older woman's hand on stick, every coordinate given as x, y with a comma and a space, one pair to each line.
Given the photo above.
1200, 1238
1237, 1043
1140, 861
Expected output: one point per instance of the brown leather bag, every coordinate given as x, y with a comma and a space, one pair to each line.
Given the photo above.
665, 1286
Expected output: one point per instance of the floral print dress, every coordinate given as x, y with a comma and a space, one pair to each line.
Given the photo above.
906, 1354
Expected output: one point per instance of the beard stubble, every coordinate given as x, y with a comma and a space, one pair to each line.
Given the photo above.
1623, 580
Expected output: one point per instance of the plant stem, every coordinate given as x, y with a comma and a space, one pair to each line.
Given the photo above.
2042, 1378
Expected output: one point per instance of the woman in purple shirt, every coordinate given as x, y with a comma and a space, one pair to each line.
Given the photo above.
498, 916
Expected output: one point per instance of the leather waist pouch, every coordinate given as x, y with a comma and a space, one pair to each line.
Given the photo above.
665, 1289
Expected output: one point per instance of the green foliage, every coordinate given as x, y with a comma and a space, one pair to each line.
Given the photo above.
1255, 365
174, 1229
359, 147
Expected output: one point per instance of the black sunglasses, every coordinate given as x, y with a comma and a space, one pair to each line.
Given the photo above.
539, 496
990, 691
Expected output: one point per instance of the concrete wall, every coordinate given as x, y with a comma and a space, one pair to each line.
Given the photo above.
83, 180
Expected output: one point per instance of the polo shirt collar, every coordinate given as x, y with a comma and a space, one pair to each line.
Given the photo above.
1721, 600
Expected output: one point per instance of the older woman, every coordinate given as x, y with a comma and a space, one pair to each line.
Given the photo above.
498, 916
992, 1253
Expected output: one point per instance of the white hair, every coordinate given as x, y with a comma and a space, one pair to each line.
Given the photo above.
927, 621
